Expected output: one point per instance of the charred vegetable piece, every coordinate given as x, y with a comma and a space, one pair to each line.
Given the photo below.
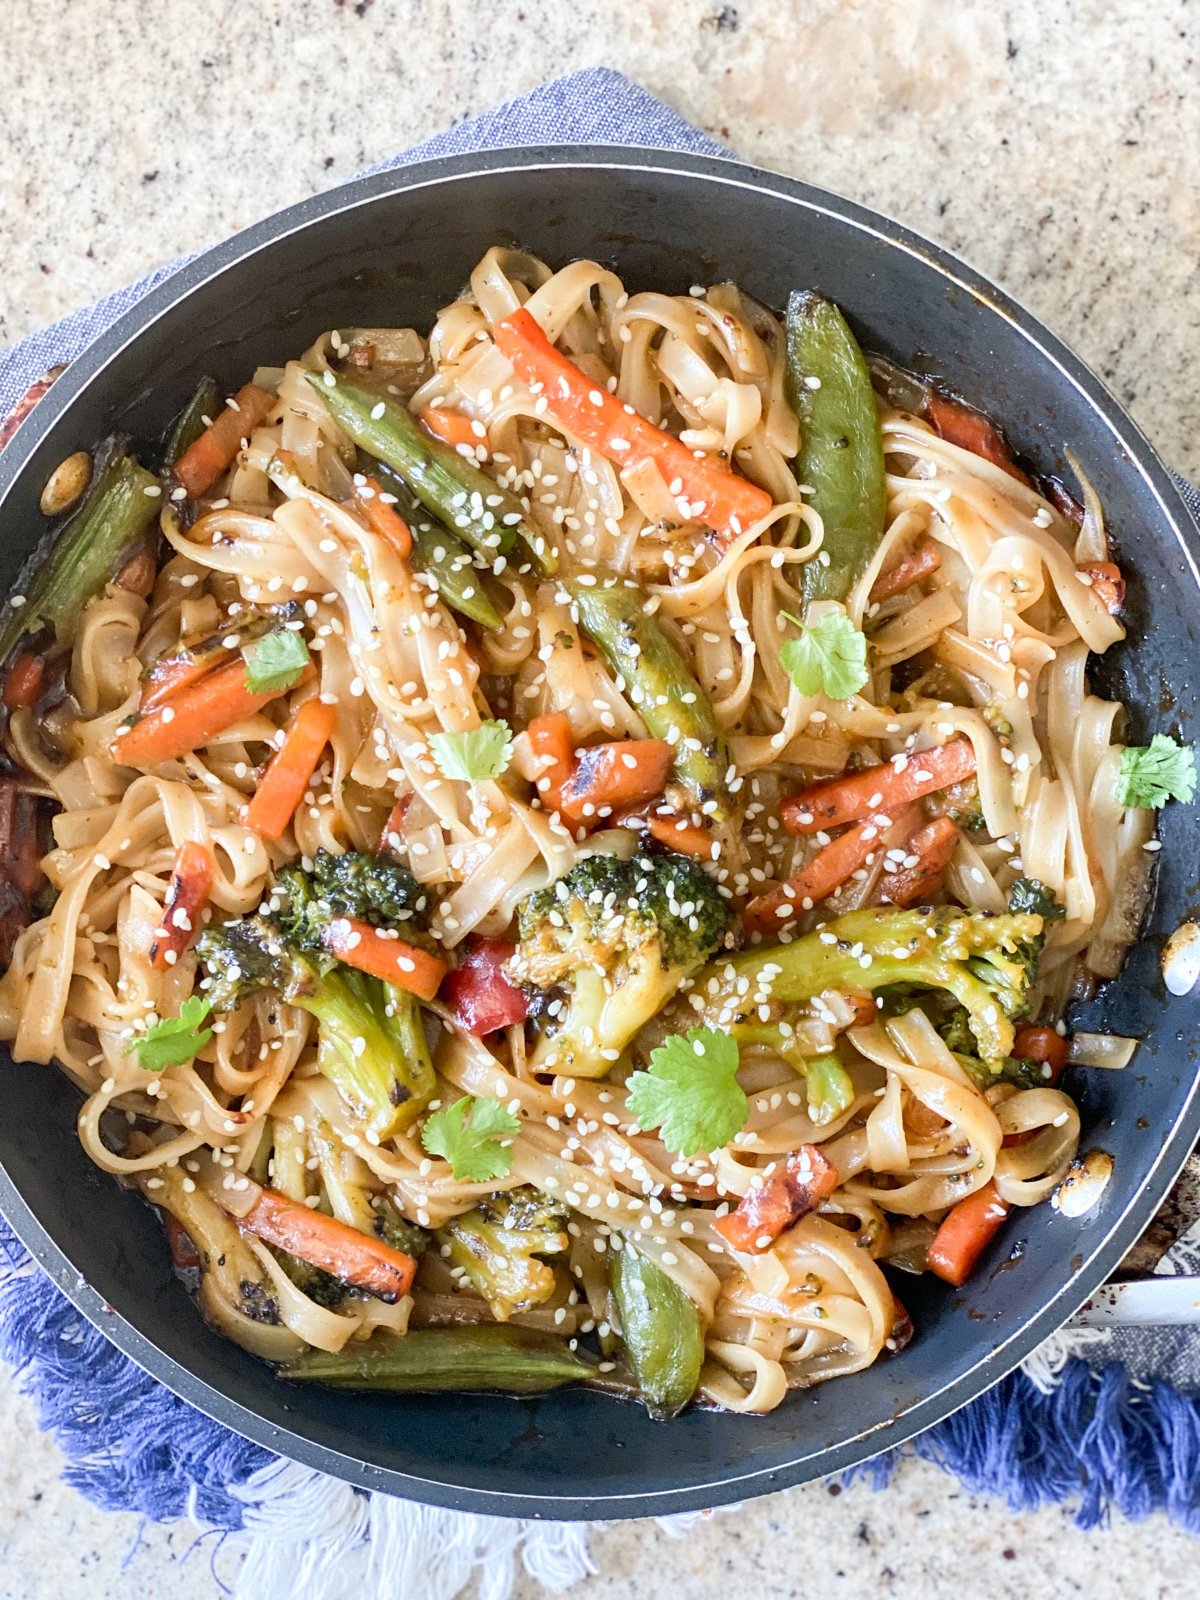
619, 937
961, 424
87, 553
794, 1189
980, 959
662, 1330
473, 505
443, 557
513, 1360
500, 1244
206, 403
841, 447
187, 897
609, 778
662, 687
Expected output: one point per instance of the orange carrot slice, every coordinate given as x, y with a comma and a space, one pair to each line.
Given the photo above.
360, 945
712, 494
880, 789
289, 771
203, 462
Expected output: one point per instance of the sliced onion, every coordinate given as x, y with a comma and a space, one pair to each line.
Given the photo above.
1102, 1050
1086, 1180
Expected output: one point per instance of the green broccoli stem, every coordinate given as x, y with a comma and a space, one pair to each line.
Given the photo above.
87, 553
872, 950
841, 448
662, 1330
439, 554
511, 1359
662, 687
487, 516
829, 1087
372, 1047
206, 403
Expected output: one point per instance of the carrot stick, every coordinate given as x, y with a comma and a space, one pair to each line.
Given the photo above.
817, 878
191, 881
969, 429
684, 834
355, 1258
360, 945
710, 492
289, 771
385, 520
933, 845
203, 462
610, 776
452, 427
24, 681
882, 788
920, 562
196, 713
553, 743
171, 673
793, 1190
964, 1234
1107, 584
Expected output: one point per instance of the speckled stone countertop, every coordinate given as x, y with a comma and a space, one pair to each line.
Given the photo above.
1054, 143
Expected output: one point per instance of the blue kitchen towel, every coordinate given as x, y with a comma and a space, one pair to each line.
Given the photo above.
1071, 1431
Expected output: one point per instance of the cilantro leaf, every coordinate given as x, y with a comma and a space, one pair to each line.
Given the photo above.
275, 662
174, 1040
1152, 774
482, 753
829, 657
468, 1134
691, 1093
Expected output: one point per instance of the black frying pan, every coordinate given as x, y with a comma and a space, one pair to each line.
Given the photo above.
390, 250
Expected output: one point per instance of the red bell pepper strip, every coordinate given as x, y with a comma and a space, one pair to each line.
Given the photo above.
479, 992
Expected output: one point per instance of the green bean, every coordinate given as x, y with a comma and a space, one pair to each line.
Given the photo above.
490, 518
663, 1334
662, 687
439, 554
841, 447
510, 1358
87, 553
206, 403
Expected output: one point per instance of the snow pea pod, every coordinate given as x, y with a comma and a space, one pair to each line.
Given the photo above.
841, 446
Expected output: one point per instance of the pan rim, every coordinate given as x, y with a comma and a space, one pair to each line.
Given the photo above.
1099, 1256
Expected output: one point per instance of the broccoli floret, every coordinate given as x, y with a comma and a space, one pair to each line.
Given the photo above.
499, 1244
373, 889
1028, 897
320, 1286
397, 1230
973, 956
618, 938
371, 1043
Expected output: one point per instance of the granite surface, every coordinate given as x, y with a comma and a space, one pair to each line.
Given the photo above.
1054, 143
